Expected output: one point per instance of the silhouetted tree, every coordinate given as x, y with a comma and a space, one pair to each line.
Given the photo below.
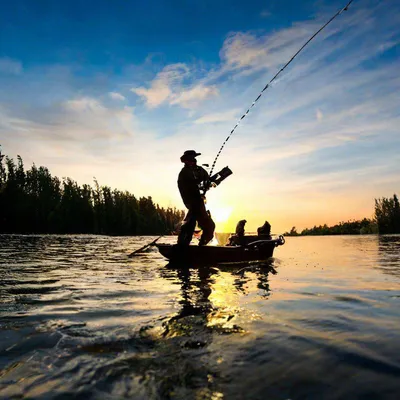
293, 232
34, 201
387, 214
363, 226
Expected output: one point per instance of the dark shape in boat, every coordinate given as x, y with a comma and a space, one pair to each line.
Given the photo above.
254, 250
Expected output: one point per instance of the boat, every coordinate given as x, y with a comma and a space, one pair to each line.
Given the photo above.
253, 250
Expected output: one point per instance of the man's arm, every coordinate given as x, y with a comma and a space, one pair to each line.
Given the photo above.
204, 180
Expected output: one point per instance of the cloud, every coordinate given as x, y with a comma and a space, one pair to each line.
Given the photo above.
193, 96
170, 86
245, 53
319, 114
81, 119
252, 51
242, 49
249, 51
116, 96
163, 85
225, 116
84, 105
10, 66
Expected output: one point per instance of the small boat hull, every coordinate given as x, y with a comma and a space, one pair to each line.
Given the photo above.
257, 250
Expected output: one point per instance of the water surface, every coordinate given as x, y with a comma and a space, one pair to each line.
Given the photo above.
79, 319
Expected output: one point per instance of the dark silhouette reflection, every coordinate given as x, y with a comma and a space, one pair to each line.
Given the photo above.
261, 270
389, 254
205, 312
195, 306
196, 289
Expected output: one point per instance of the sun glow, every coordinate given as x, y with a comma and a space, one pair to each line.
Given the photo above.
220, 215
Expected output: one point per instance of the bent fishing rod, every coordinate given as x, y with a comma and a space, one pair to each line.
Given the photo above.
226, 169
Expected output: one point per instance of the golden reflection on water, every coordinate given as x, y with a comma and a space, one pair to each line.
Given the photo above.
343, 258
315, 272
224, 290
213, 298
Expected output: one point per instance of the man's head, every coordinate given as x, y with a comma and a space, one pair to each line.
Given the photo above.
189, 157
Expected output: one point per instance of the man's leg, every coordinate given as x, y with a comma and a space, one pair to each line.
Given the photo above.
206, 224
187, 229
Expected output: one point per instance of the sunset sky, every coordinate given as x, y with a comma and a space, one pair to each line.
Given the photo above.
117, 90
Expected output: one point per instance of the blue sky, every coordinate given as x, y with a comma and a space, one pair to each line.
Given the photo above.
113, 34
118, 90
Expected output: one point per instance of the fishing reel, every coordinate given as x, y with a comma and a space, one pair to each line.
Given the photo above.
216, 179
220, 176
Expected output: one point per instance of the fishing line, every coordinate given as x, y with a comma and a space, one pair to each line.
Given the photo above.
275, 76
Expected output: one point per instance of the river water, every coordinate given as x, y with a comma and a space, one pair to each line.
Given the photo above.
79, 319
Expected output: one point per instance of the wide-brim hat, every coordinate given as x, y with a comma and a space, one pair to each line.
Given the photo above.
190, 154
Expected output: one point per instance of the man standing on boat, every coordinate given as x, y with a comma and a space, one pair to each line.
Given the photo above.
189, 180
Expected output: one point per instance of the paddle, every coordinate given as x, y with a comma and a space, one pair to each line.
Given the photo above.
144, 247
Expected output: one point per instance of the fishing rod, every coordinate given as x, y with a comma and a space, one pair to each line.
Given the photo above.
275, 76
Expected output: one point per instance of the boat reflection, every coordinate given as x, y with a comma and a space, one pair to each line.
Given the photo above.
261, 271
208, 307
210, 295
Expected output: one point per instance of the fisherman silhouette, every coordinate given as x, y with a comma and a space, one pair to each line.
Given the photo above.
189, 180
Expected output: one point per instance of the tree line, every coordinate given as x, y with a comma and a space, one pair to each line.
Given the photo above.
34, 201
386, 220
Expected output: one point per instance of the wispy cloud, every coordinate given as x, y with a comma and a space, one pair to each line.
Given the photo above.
193, 96
10, 66
77, 120
169, 86
249, 51
116, 96
226, 116
163, 85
